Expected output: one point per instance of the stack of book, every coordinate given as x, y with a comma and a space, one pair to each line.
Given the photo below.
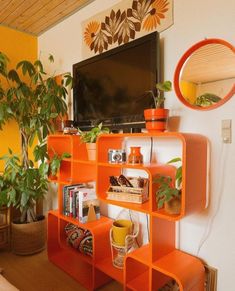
80, 202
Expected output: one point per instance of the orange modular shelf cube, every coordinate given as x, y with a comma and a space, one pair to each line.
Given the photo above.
152, 265
105, 171
194, 168
187, 270
67, 143
106, 266
162, 240
80, 266
65, 174
137, 275
83, 171
142, 255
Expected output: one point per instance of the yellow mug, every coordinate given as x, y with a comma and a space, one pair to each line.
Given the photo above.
120, 229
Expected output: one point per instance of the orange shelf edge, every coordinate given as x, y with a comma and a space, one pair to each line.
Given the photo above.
89, 225
134, 206
142, 254
107, 267
163, 215
139, 283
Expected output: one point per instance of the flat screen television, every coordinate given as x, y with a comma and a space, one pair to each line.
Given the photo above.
112, 87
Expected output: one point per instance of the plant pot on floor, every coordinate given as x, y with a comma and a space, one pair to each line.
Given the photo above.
91, 151
156, 119
28, 238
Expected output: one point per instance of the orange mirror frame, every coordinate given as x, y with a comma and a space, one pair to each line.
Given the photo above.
208, 62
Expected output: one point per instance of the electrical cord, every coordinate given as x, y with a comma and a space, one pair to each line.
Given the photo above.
177, 230
151, 150
132, 222
150, 160
219, 186
147, 227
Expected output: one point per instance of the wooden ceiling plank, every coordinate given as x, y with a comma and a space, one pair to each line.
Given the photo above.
4, 13
4, 3
35, 16
16, 14
56, 18
41, 13
28, 13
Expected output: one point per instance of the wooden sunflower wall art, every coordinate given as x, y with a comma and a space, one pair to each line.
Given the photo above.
126, 21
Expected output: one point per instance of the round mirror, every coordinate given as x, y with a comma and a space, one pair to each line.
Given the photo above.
205, 75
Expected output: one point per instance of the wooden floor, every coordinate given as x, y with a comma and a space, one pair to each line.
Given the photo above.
36, 273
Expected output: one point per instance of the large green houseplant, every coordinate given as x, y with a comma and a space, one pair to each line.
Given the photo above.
32, 99
156, 118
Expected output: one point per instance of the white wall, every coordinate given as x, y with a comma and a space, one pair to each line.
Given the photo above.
193, 21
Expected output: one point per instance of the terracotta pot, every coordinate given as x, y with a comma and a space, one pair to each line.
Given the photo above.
28, 238
173, 206
156, 119
91, 151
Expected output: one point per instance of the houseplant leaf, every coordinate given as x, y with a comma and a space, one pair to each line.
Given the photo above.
32, 102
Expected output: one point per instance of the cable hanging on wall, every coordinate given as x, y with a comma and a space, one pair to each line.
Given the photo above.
219, 190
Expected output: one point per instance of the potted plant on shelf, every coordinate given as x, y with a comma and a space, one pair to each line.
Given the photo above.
90, 137
156, 118
33, 102
168, 194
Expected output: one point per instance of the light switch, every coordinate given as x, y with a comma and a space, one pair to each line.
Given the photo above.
227, 130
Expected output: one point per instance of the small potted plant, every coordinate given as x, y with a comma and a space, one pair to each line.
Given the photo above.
156, 118
168, 194
90, 137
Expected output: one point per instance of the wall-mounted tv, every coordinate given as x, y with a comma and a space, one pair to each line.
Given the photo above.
111, 87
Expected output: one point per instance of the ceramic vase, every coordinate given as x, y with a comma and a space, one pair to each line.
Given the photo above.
135, 156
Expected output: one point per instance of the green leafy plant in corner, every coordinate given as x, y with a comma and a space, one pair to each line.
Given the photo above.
33, 99
91, 136
166, 191
158, 97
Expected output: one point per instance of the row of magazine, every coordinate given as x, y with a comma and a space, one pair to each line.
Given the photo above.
80, 202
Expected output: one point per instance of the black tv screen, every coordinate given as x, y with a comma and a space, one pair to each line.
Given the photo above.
112, 87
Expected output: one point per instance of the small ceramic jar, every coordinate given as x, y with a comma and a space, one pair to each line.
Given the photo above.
135, 156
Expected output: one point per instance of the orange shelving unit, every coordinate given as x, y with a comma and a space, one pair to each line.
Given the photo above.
154, 264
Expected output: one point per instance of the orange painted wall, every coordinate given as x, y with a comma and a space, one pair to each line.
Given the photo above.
17, 46
188, 90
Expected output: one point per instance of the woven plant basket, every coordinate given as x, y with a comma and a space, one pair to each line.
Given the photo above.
28, 238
